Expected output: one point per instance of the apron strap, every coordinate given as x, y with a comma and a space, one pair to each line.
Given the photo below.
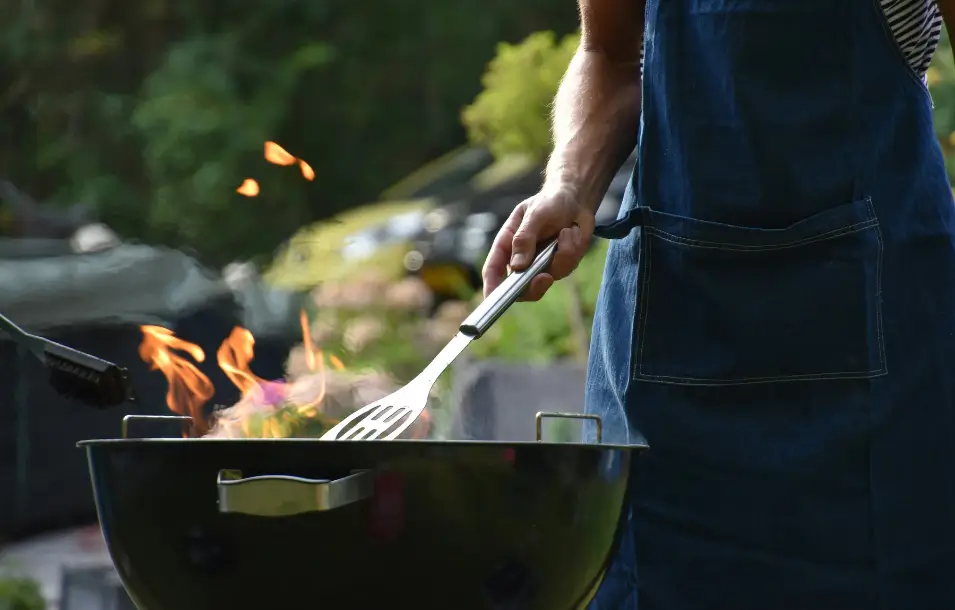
622, 227
635, 216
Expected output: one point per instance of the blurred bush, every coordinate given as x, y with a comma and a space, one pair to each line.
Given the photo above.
512, 113
377, 323
941, 82
18, 593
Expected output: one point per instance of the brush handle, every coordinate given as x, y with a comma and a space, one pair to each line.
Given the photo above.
507, 293
12, 329
42, 347
36, 345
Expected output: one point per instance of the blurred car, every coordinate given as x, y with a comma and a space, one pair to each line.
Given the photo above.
448, 253
374, 236
455, 238
444, 178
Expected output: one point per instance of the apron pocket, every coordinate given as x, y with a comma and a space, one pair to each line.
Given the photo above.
727, 305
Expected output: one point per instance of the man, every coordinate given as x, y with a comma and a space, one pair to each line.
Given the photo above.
778, 317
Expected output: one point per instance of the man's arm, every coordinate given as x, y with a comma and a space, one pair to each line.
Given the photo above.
597, 108
595, 124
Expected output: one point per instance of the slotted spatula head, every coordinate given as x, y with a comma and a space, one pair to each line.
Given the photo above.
387, 418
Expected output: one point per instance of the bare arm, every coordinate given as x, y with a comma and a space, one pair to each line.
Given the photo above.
595, 123
597, 108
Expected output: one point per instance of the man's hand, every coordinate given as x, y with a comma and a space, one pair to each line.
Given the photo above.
553, 211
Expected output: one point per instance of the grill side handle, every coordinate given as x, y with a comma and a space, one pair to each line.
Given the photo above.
283, 495
542, 415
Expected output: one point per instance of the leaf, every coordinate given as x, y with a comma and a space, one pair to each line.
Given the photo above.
511, 115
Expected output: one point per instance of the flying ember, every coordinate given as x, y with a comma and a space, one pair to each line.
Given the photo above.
249, 188
276, 155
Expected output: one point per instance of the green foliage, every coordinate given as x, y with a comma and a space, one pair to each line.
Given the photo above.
941, 79
511, 114
20, 594
201, 127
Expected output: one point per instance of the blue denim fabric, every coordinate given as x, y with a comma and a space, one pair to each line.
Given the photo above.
777, 319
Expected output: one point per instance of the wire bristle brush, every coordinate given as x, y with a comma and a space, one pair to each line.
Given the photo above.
74, 374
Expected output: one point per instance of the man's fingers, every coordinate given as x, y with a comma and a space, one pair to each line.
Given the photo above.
495, 266
526, 238
571, 245
538, 286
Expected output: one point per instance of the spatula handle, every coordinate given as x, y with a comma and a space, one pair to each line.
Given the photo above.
507, 293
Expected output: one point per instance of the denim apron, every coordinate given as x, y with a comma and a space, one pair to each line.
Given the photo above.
777, 319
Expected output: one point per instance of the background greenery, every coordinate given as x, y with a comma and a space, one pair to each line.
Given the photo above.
20, 593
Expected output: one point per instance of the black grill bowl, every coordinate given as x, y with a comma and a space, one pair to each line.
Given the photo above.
439, 526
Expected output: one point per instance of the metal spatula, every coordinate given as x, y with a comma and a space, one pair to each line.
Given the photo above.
393, 414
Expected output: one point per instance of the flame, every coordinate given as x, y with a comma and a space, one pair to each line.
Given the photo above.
249, 188
189, 388
277, 155
307, 172
234, 356
315, 361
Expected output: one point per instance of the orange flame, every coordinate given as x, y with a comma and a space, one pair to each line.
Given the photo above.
277, 155
307, 170
315, 361
249, 188
234, 356
189, 388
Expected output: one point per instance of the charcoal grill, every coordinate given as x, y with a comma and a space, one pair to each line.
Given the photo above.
286, 524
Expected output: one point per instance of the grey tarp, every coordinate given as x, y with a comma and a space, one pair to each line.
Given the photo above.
95, 302
127, 284
266, 311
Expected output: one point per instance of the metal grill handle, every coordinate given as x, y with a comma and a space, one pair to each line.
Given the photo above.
539, 420
283, 495
134, 417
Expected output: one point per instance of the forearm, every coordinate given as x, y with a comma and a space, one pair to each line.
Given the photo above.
595, 123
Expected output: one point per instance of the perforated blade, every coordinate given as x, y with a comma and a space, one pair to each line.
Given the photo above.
387, 418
